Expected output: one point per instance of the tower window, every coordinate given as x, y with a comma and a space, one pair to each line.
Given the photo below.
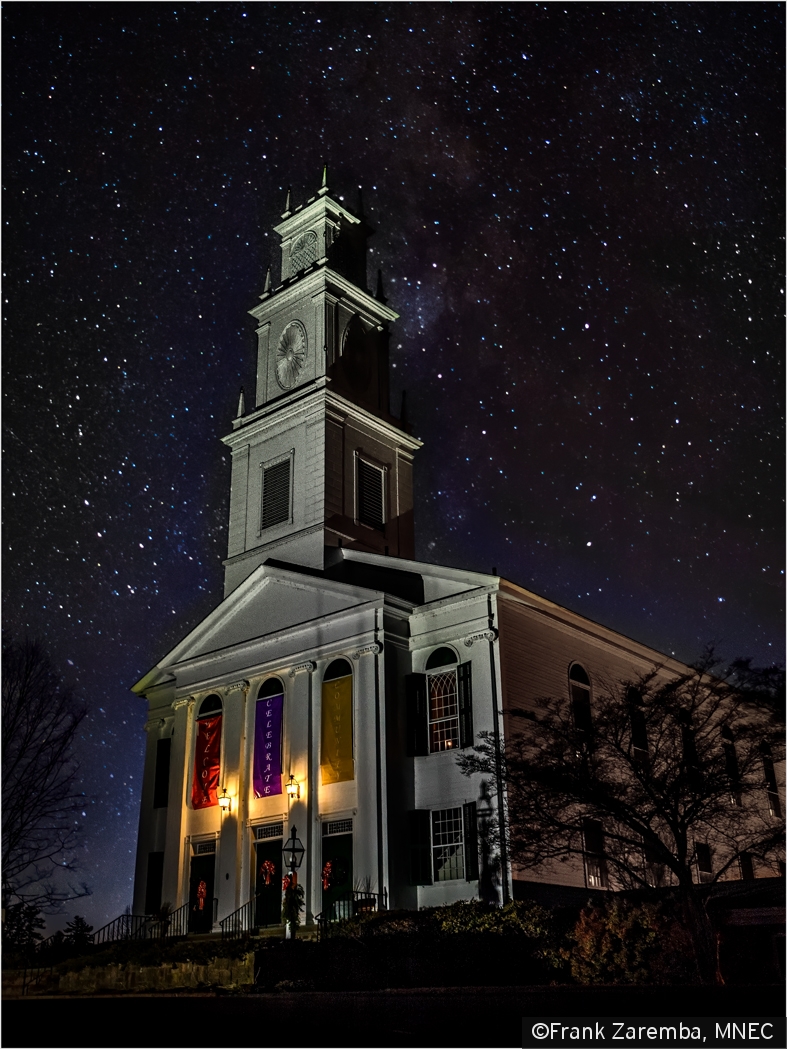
370, 495
276, 493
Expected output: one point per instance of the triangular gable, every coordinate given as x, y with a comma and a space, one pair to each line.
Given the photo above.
269, 601
439, 581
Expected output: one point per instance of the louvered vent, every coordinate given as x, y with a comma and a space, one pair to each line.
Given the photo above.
337, 827
270, 830
370, 495
204, 848
276, 494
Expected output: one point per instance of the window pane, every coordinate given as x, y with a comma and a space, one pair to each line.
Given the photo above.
448, 844
443, 712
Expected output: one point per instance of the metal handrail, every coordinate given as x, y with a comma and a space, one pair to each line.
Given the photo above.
125, 927
349, 905
240, 921
171, 926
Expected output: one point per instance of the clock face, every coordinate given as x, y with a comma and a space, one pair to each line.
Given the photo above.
290, 355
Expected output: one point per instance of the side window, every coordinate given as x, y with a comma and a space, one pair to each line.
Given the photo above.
704, 861
440, 705
639, 729
579, 686
443, 701
595, 861
731, 765
268, 715
336, 725
371, 495
444, 844
774, 806
207, 754
276, 499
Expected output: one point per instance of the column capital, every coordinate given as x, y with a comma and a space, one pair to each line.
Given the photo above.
375, 649
183, 702
309, 666
484, 635
237, 686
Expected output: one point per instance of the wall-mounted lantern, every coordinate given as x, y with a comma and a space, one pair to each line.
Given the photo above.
293, 788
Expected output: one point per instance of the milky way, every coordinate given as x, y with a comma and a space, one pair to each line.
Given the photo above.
579, 219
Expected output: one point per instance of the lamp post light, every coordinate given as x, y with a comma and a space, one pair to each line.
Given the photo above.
292, 853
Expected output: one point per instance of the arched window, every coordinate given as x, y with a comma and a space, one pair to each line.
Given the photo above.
441, 657
443, 700
209, 707
339, 668
268, 716
336, 723
207, 754
271, 687
579, 685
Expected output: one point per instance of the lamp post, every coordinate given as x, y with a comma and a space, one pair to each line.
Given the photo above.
292, 853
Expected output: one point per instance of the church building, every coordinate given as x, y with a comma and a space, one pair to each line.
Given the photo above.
333, 686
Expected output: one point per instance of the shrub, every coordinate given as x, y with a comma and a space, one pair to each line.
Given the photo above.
622, 942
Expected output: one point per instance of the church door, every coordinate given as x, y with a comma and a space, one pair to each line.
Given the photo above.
268, 883
337, 876
201, 893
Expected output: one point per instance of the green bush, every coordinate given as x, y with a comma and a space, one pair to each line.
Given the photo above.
617, 942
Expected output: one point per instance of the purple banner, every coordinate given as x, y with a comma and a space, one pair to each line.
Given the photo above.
267, 746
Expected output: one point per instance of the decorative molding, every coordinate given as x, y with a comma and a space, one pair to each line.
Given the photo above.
308, 666
154, 724
484, 635
374, 648
178, 703
236, 686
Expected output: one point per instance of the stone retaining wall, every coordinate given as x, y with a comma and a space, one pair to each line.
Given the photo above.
228, 973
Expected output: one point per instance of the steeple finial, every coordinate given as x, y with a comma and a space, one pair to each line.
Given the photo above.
287, 203
241, 405
267, 288
360, 202
379, 293
324, 184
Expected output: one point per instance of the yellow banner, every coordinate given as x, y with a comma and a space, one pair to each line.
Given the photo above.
336, 737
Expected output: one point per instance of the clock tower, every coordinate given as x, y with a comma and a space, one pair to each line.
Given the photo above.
319, 462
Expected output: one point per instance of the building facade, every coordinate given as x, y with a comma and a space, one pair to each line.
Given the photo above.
334, 685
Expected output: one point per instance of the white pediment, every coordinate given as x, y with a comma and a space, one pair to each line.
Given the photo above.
270, 601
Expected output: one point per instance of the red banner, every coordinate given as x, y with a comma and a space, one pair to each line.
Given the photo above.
205, 786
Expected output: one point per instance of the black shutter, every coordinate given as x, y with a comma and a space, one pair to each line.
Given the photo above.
370, 495
276, 494
465, 690
161, 782
155, 882
471, 840
417, 715
420, 847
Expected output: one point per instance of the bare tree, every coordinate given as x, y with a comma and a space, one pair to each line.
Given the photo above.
667, 781
40, 793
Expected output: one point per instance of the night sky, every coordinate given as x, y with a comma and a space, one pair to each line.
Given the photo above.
579, 218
